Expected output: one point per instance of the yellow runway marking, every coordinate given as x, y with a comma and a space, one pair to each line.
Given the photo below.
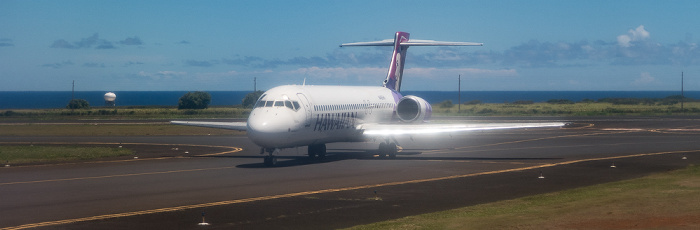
521, 141
229, 202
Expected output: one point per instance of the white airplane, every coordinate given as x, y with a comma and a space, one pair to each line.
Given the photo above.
308, 115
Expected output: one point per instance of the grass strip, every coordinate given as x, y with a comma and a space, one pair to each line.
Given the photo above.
447, 109
119, 113
42, 154
110, 130
575, 109
662, 201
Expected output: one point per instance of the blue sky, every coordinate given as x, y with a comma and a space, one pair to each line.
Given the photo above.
223, 45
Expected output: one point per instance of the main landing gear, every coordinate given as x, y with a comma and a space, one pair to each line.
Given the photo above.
270, 160
387, 149
317, 151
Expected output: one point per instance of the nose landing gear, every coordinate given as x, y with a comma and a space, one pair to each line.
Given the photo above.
270, 160
317, 151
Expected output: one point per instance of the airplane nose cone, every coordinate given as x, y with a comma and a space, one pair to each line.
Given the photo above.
269, 128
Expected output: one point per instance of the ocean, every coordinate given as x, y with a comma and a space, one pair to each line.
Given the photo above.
55, 99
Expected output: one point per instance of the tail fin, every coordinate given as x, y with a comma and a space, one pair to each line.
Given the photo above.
398, 58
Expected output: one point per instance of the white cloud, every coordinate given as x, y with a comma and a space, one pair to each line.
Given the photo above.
380, 73
165, 75
644, 79
465, 72
338, 72
637, 34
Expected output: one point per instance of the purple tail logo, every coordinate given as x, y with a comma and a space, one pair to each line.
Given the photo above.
398, 58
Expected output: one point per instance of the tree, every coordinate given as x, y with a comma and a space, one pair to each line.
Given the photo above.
194, 100
251, 98
78, 104
445, 104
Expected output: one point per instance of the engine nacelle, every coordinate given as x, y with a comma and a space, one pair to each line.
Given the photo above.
411, 109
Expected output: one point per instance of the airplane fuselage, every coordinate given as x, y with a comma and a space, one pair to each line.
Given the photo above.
300, 115
305, 115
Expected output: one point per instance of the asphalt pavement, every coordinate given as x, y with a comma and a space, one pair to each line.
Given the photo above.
223, 178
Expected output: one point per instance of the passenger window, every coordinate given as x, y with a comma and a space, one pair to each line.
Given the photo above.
279, 103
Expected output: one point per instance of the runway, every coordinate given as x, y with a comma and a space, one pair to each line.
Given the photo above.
228, 183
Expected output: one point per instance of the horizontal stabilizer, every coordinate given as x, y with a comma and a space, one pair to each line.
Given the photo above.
439, 43
401, 42
390, 42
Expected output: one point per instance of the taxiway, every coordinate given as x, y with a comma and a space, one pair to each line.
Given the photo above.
230, 185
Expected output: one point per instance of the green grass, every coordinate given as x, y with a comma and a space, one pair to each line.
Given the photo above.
109, 130
124, 113
662, 201
491, 109
577, 109
43, 154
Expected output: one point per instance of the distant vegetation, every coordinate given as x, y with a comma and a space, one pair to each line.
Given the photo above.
251, 98
124, 112
523, 102
445, 104
78, 104
555, 107
473, 102
670, 100
560, 101
194, 100
586, 107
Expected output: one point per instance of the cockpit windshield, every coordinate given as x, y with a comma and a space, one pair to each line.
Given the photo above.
282, 102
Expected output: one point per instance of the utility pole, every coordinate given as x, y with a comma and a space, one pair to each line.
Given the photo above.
682, 92
255, 84
459, 94
72, 95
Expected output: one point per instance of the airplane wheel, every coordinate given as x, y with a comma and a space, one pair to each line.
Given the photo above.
382, 149
391, 149
270, 161
321, 151
312, 151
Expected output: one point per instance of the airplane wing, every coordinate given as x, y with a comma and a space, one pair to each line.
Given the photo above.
396, 129
406, 129
241, 126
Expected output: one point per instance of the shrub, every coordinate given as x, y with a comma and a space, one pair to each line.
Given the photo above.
560, 101
445, 104
523, 102
251, 98
473, 102
78, 104
194, 100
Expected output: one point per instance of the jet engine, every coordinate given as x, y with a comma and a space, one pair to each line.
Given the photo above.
411, 109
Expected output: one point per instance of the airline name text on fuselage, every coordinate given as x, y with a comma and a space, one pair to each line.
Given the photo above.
333, 121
